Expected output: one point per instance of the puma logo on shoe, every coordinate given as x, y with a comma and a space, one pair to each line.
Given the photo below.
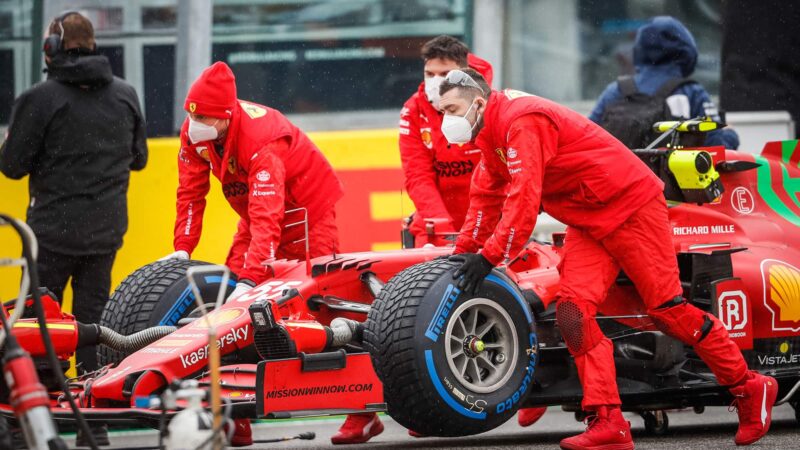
368, 428
764, 406
622, 432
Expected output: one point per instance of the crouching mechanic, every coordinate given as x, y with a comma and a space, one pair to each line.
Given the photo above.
266, 166
617, 219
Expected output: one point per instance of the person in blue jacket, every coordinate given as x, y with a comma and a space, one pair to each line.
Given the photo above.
664, 49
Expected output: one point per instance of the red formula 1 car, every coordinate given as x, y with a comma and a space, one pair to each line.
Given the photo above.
390, 331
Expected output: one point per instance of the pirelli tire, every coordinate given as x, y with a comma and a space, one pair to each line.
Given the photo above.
451, 364
156, 294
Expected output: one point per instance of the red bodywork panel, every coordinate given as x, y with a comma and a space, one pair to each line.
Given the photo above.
61, 326
284, 386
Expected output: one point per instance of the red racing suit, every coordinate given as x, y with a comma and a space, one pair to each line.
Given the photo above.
553, 158
266, 166
437, 174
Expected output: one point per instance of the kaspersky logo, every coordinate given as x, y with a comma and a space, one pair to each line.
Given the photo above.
782, 294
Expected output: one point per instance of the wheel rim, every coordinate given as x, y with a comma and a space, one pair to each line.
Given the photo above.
481, 345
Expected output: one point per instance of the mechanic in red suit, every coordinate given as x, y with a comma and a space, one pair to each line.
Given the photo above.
437, 178
551, 156
437, 174
266, 166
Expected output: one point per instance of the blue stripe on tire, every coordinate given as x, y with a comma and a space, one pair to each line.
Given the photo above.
457, 407
499, 281
187, 298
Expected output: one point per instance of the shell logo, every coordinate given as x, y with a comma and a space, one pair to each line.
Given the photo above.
218, 318
782, 294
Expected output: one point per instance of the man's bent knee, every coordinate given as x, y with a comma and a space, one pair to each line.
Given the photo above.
679, 319
578, 326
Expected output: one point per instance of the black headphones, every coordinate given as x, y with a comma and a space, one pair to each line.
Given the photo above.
53, 43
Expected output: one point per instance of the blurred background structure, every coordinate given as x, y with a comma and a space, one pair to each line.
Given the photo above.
323, 60
341, 69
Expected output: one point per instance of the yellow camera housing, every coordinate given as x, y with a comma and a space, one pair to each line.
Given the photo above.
695, 175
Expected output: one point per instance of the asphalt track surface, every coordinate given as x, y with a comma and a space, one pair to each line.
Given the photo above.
712, 430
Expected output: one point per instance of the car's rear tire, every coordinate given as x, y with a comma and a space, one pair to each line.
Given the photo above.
445, 370
156, 294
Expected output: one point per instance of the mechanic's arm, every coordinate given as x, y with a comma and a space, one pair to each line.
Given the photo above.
535, 139
25, 137
702, 105
193, 186
486, 196
418, 161
265, 207
139, 148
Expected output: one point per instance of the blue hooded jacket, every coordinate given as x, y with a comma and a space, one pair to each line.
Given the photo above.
664, 49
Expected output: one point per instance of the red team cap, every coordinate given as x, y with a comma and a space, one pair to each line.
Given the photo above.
213, 93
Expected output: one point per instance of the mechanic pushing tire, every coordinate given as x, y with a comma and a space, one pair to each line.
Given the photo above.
156, 294
451, 364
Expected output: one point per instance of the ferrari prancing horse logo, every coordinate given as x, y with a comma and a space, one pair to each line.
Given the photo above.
501, 154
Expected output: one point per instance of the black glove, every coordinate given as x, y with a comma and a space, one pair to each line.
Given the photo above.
472, 272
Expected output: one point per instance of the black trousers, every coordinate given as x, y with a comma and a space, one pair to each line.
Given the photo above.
91, 284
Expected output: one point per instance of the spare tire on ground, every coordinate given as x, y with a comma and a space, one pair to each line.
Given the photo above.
156, 294
451, 364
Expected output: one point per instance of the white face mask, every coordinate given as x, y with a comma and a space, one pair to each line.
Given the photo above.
457, 129
199, 132
432, 89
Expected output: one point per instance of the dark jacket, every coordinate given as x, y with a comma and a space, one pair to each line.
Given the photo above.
664, 49
78, 135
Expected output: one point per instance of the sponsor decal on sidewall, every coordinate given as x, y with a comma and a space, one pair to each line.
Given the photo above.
436, 326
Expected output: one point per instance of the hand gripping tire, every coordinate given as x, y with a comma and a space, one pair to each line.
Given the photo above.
451, 364
156, 294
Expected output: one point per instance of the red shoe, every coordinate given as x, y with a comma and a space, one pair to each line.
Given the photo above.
528, 416
357, 429
753, 400
242, 433
607, 430
413, 433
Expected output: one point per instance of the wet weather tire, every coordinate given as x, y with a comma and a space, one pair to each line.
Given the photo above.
156, 294
451, 364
